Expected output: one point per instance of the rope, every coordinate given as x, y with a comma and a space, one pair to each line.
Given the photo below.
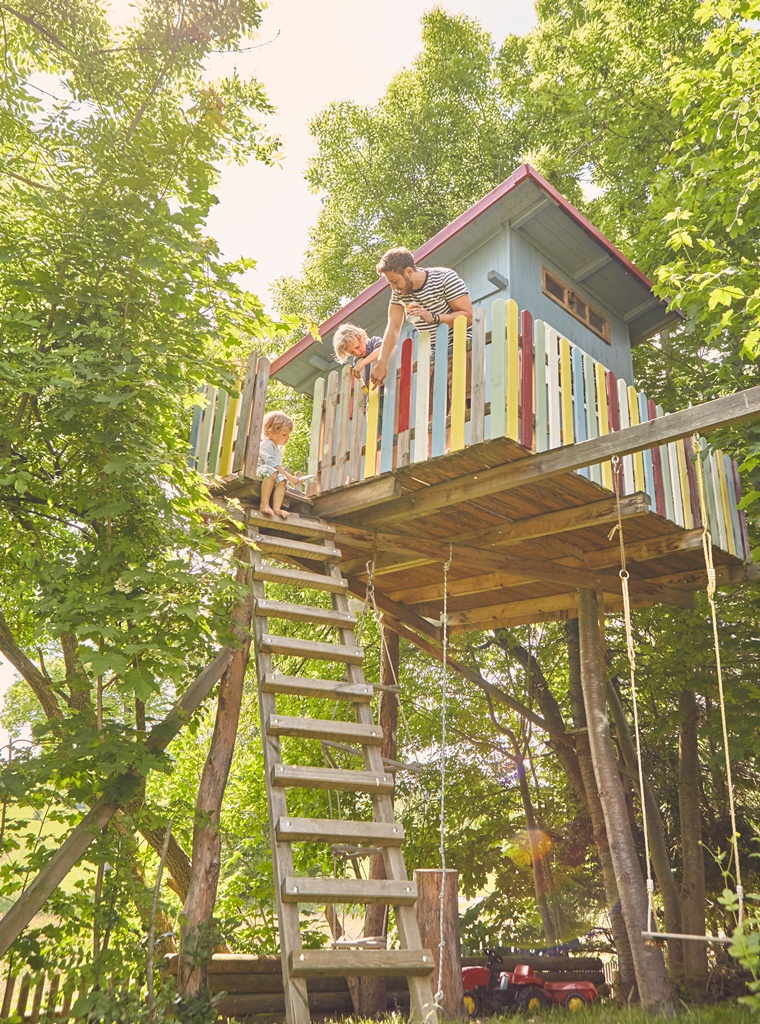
444, 687
624, 576
707, 547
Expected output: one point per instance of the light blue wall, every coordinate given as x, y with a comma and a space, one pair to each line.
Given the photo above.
492, 254
521, 263
526, 287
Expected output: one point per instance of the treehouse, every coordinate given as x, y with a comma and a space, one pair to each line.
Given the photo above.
533, 482
557, 311
506, 491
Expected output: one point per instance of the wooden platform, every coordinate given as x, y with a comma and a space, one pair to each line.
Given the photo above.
519, 553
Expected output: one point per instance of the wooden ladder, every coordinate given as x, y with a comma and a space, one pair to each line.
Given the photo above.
310, 545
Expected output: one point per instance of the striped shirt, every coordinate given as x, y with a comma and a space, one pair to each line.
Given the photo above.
440, 287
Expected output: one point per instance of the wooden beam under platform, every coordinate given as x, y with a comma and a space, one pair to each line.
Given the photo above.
638, 552
566, 520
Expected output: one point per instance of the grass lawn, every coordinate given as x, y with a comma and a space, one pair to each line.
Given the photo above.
722, 1013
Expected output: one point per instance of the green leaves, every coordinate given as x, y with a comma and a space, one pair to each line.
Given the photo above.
724, 296
115, 306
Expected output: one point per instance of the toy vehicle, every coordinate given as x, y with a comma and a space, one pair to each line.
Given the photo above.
521, 990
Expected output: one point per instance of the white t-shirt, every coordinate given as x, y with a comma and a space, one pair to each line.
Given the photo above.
270, 456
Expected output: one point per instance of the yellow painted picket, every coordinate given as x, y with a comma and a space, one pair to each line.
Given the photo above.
604, 419
225, 459
458, 383
638, 458
370, 448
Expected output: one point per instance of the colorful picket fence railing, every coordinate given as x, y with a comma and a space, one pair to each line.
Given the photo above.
226, 427
525, 382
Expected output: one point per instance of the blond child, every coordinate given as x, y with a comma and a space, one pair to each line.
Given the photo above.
274, 477
352, 342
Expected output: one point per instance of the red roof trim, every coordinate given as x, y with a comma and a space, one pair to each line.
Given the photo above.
521, 174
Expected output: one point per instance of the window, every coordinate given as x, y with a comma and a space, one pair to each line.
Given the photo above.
566, 297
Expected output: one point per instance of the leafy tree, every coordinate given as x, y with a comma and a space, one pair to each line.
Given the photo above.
115, 307
396, 172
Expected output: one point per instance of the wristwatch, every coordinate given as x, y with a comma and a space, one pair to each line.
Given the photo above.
436, 319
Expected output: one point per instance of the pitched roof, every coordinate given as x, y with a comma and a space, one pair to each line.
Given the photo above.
551, 223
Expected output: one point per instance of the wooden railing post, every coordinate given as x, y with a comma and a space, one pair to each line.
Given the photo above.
258, 407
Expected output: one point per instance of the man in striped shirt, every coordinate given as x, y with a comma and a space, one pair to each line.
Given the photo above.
425, 296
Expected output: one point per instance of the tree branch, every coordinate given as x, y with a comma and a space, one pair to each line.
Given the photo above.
33, 23
41, 684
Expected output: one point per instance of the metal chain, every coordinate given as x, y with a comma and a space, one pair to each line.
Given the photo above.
707, 547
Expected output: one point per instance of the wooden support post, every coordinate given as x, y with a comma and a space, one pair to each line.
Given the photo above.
76, 843
429, 918
198, 909
648, 962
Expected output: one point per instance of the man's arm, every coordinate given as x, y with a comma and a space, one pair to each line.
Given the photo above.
392, 331
458, 307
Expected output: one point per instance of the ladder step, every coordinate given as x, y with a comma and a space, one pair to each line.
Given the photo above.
342, 962
348, 890
300, 578
330, 689
352, 852
310, 649
324, 728
296, 549
298, 776
330, 830
293, 524
305, 613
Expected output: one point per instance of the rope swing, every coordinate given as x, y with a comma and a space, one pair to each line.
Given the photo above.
438, 998
651, 933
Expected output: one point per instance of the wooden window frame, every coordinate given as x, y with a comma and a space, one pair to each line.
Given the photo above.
566, 302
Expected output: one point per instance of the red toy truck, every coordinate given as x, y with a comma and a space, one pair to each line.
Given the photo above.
520, 990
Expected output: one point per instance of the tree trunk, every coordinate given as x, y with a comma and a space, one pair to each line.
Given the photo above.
550, 711
583, 750
447, 976
177, 861
38, 681
196, 941
648, 963
373, 992
693, 884
658, 845
536, 855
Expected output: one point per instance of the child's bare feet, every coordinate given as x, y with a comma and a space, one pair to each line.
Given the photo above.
281, 512
267, 510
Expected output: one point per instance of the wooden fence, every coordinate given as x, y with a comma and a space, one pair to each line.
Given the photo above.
42, 997
226, 426
525, 382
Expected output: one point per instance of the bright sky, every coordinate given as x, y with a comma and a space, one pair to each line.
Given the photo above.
334, 50
319, 52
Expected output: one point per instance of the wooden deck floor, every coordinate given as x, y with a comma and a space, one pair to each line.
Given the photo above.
519, 553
